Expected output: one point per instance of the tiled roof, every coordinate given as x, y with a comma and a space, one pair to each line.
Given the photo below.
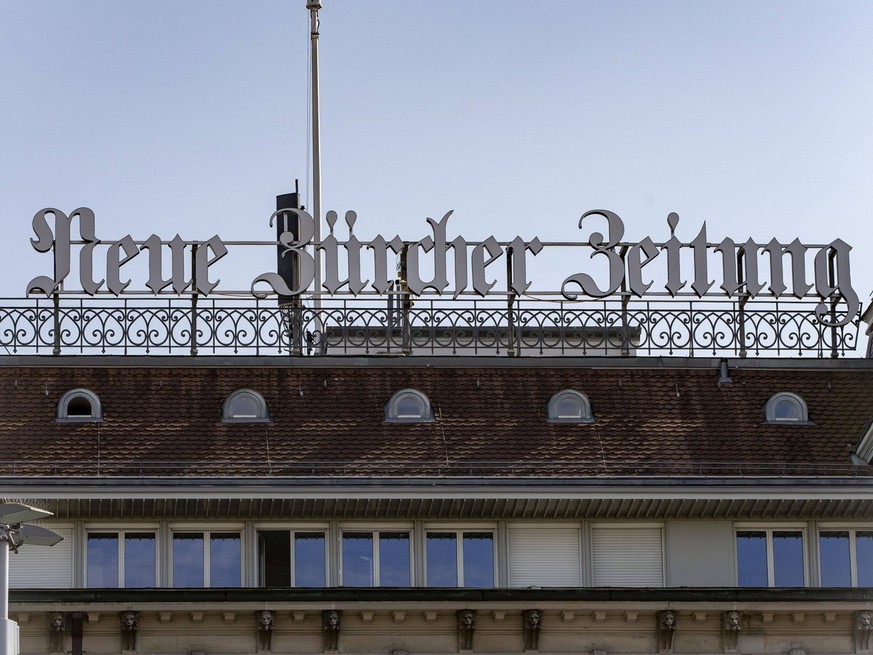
490, 421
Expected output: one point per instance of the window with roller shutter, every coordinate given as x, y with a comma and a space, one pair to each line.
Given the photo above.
625, 556
41, 567
544, 556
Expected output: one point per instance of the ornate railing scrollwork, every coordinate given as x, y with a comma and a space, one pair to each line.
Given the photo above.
369, 326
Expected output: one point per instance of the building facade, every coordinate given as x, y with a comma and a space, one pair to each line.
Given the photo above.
377, 504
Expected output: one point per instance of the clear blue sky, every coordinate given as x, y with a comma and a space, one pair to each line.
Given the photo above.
190, 117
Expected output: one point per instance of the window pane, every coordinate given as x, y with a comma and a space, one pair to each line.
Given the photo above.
224, 560
358, 559
752, 559
188, 560
569, 407
834, 557
442, 559
394, 559
864, 558
79, 406
139, 559
409, 407
102, 559
478, 559
788, 559
786, 410
309, 559
243, 406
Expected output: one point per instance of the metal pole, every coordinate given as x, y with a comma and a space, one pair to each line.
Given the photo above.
313, 6
4, 578
8, 629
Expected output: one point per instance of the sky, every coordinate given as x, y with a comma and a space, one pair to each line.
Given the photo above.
190, 117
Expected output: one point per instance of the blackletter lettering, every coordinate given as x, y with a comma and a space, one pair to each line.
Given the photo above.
616, 265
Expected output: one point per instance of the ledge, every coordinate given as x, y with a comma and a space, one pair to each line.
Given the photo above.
422, 594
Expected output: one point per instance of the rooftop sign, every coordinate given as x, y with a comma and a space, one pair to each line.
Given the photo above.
441, 265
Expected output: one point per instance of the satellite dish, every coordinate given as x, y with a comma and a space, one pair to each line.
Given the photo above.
11, 513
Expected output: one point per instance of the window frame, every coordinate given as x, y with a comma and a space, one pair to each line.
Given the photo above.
586, 415
853, 548
63, 415
769, 529
120, 533
262, 414
459, 533
376, 533
292, 531
777, 398
391, 407
206, 532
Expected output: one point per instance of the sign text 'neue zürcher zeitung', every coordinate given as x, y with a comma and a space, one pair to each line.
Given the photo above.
747, 269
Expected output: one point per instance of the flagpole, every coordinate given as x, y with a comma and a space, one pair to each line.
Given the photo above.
313, 6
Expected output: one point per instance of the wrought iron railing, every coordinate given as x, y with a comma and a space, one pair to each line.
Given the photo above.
366, 326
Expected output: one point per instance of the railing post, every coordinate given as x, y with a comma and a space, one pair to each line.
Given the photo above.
834, 301
741, 324
511, 350
625, 331
194, 300
56, 317
406, 325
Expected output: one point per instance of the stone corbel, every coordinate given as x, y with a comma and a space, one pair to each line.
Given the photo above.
863, 631
666, 630
57, 631
532, 621
129, 628
466, 628
331, 620
264, 620
730, 630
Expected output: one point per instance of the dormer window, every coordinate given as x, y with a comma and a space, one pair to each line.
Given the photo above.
408, 406
786, 407
569, 406
80, 406
245, 406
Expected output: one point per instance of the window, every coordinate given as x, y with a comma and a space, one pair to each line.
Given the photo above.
625, 555
770, 558
207, 559
569, 406
245, 406
544, 555
121, 559
846, 558
44, 568
379, 559
292, 558
80, 406
458, 558
408, 406
786, 408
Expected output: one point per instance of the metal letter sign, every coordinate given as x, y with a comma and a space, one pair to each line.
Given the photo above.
631, 267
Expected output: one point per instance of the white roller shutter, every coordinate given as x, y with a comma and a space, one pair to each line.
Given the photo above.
43, 566
544, 556
627, 557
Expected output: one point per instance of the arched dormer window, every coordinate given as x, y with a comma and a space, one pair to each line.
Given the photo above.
569, 406
80, 406
785, 407
408, 406
245, 406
